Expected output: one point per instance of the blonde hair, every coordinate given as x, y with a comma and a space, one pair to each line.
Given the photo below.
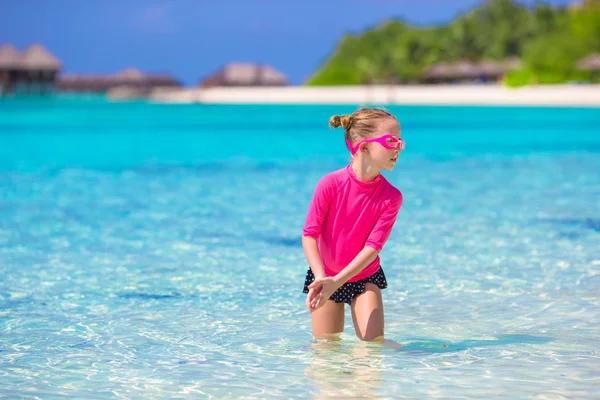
361, 124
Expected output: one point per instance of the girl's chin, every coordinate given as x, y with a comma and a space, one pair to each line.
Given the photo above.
389, 165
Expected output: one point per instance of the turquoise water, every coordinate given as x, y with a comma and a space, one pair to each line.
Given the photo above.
153, 251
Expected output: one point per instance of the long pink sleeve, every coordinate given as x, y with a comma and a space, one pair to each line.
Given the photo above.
345, 215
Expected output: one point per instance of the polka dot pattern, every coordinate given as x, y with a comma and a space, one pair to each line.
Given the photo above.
349, 290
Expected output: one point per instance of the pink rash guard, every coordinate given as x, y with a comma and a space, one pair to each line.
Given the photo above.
345, 215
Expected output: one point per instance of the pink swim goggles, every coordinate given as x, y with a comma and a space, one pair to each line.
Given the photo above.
388, 141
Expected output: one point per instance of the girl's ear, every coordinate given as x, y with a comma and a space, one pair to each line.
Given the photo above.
364, 148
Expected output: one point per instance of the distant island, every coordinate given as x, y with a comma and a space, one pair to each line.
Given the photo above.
499, 41
478, 58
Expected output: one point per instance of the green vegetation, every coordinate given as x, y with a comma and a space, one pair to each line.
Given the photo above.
548, 40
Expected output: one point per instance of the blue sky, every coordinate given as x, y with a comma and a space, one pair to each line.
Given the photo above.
190, 39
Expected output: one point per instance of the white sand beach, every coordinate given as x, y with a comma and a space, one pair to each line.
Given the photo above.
550, 95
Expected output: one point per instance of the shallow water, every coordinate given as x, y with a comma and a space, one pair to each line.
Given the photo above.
152, 251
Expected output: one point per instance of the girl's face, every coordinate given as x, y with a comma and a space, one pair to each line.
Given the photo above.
381, 156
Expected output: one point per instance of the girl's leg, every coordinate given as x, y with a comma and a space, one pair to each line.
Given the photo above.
367, 314
328, 320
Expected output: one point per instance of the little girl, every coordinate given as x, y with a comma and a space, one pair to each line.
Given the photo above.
349, 220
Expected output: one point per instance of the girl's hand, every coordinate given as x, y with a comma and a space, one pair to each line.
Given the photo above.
312, 293
324, 288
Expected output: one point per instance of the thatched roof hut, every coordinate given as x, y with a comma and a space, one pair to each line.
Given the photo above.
590, 63
466, 70
269, 76
36, 57
33, 71
240, 74
9, 57
491, 68
133, 77
130, 74
438, 71
246, 74
459, 70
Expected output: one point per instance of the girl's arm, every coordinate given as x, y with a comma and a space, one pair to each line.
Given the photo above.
366, 256
317, 211
326, 286
311, 252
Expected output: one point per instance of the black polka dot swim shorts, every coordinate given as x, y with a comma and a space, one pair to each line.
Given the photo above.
349, 290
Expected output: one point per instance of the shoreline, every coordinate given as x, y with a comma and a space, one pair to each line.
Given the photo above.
549, 95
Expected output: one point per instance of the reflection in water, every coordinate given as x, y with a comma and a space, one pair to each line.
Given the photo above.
346, 370
354, 369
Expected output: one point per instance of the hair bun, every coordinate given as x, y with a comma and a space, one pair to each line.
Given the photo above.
345, 121
335, 121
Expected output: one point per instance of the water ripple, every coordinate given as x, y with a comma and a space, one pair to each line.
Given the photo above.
184, 278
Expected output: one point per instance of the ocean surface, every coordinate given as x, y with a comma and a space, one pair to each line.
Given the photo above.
153, 251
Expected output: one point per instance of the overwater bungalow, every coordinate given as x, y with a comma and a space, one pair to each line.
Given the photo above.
437, 73
33, 71
486, 71
245, 74
490, 71
129, 78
